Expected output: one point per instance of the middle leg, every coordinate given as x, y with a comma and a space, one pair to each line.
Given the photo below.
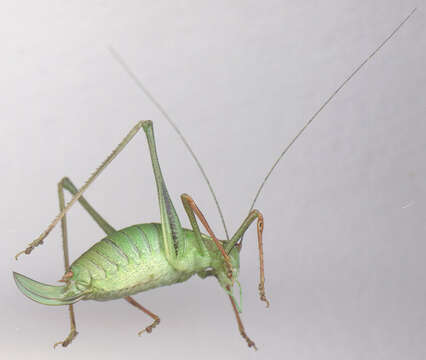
156, 321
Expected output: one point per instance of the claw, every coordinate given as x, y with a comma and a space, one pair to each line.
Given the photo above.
149, 328
251, 343
67, 340
262, 295
30, 247
21, 252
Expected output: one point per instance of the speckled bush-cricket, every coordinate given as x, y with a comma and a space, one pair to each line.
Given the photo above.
145, 256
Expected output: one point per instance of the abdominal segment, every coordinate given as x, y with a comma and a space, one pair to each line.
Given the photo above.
126, 262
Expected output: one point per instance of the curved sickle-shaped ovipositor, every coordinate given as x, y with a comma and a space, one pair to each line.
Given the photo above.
146, 256
46, 294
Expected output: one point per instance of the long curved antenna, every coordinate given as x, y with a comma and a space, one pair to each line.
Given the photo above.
160, 108
325, 104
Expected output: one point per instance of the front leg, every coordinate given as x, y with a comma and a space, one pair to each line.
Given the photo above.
213, 244
237, 236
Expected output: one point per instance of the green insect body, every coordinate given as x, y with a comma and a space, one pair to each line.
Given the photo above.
133, 260
130, 261
144, 256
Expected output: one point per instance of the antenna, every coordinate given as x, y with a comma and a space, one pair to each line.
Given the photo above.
331, 97
160, 108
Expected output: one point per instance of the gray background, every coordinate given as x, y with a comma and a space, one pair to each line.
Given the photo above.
345, 211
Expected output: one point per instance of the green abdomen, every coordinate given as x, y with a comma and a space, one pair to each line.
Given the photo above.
127, 261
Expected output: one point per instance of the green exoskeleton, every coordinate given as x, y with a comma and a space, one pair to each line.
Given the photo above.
143, 256
146, 256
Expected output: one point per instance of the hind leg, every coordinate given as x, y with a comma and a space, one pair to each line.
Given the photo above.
66, 183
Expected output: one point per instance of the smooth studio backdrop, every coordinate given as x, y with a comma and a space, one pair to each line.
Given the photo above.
345, 211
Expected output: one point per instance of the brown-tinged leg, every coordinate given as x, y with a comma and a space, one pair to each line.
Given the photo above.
191, 208
250, 342
239, 233
73, 332
156, 321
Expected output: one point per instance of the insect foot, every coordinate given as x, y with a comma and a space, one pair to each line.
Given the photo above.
68, 339
250, 342
31, 246
262, 294
149, 328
